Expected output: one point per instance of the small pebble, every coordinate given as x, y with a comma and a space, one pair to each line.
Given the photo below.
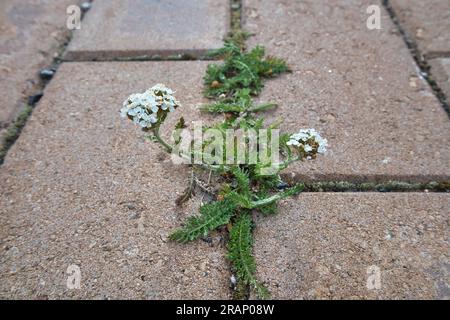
419, 33
134, 215
130, 206
47, 74
282, 186
32, 100
85, 6
413, 82
233, 281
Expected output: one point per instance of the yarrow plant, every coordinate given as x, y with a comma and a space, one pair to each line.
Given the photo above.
308, 142
237, 189
150, 109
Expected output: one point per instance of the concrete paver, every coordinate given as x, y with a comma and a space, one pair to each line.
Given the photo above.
82, 186
30, 33
427, 22
440, 69
134, 28
358, 87
328, 245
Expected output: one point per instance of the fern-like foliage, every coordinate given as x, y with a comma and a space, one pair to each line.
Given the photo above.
243, 180
240, 254
222, 107
240, 70
240, 102
212, 216
236, 107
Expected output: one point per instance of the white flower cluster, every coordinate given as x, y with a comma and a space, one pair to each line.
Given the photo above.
149, 107
309, 140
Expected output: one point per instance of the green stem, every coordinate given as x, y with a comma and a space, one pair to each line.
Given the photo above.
266, 201
282, 195
262, 107
158, 138
289, 161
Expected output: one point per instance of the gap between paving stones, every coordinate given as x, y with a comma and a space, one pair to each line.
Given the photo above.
390, 186
421, 61
143, 58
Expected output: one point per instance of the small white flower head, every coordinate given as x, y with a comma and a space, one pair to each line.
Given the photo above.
151, 107
308, 142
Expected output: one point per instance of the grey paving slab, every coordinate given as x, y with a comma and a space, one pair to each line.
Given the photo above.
136, 28
427, 22
356, 246
440, 70
84, 187
31, 32
360, 88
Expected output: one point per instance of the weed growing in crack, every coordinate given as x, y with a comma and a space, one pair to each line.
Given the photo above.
240, 70
13, 132
239, 183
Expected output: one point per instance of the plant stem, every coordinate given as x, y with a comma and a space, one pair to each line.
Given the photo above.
158, 138
289, 161
289, 192
262, 107
263, 202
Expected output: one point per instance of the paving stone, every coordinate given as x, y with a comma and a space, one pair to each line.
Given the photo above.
82, 186
440, 69
427, 22
134, 28
358, 87
321, 245
30, 34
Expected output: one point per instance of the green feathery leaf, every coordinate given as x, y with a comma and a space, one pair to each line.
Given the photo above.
242, 179
240, 70
222, 107
241, 200
240, 254
212, 216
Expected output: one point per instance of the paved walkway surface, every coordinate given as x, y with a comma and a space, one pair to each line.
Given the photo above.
81, 187
323, 246
142, 28
428, 23
30, 33
359, 87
